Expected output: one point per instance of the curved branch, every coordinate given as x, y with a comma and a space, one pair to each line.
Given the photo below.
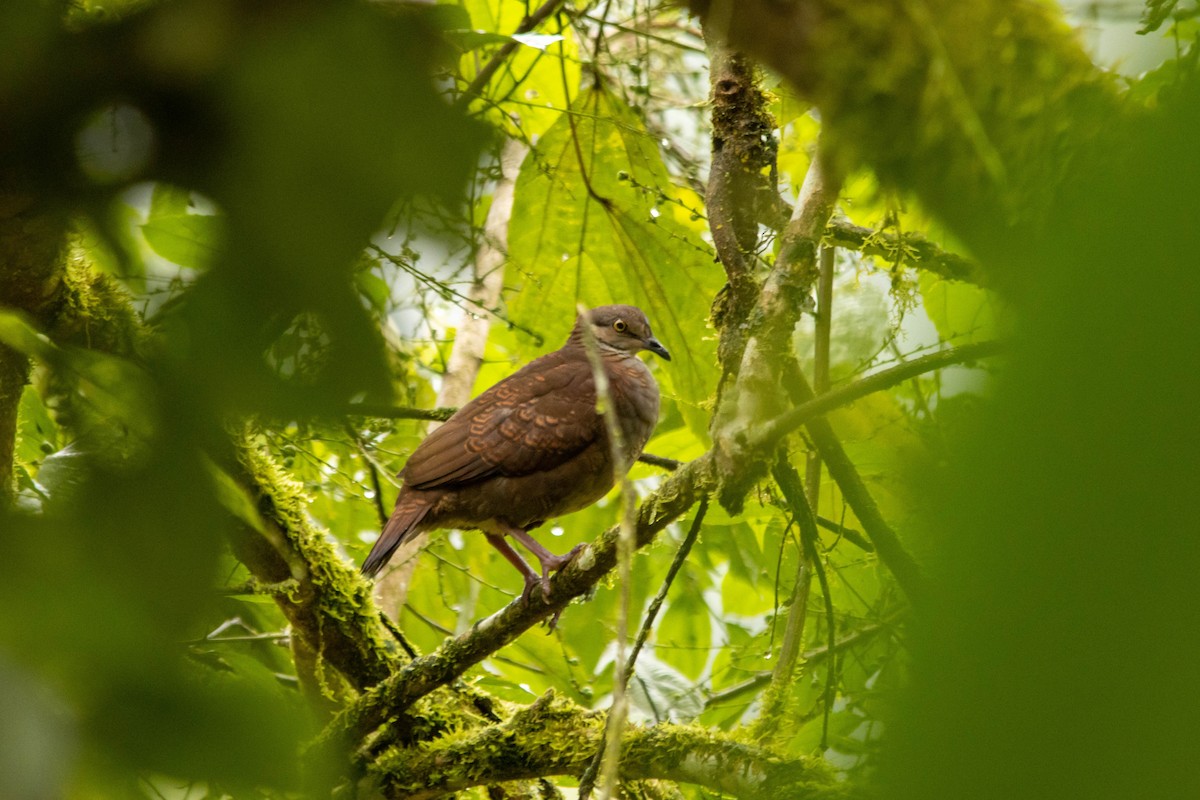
756, 394
771, 432
742, 147
555, 737
910, 249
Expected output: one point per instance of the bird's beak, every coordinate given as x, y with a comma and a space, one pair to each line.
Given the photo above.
655, 346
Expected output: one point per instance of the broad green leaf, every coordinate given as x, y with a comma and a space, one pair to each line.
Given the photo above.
958, 309
37, 433
593, 223
233, 497
17, 333
684, 632
534, 83
189, 240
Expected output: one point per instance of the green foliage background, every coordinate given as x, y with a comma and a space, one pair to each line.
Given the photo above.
1051, 502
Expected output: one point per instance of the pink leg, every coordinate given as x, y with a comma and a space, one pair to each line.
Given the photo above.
549, 561
514, 558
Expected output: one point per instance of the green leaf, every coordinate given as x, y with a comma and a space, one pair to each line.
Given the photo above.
958, 309
538, 79
233, 497
189, 240
375, 289
169, 201
17, 333
37, 433
685, 632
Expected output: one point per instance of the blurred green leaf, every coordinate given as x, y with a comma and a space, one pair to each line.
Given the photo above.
189, 240
17, 333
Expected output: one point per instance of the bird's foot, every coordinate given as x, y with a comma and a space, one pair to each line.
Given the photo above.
531, 580
553, 563
550, 564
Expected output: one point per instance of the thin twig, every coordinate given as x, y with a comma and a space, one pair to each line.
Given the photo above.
588, 779
399, 412
373, 471
891, 550
398, 635
669, 464
793, 491
776, 699
489, 69
823, 333
442, 288
813, 656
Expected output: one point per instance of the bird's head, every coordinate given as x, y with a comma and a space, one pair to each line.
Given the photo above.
622, 328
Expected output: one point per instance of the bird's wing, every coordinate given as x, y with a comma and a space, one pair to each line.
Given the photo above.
534, 420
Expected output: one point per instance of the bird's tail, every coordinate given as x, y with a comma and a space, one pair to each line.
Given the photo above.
403, 525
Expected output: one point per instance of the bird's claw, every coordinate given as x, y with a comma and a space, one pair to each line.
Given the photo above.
549, 566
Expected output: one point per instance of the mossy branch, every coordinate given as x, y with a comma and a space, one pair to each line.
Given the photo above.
331, 606
904, 249
555, 737
743, 148
32, 246
757, 393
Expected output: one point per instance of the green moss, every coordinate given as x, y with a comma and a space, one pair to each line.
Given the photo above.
328, 590
553, 736
95, 311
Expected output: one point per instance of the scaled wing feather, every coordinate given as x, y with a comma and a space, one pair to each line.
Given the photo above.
534, 420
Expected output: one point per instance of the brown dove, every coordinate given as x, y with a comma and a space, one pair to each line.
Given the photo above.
532, 447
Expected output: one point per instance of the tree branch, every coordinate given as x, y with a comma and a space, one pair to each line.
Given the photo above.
555, 737
331, 606
888, 546
399, 412
33, 252
906, 249
771, 433
742, 130
784, 293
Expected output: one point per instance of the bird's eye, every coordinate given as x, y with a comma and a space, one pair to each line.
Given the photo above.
619, 326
